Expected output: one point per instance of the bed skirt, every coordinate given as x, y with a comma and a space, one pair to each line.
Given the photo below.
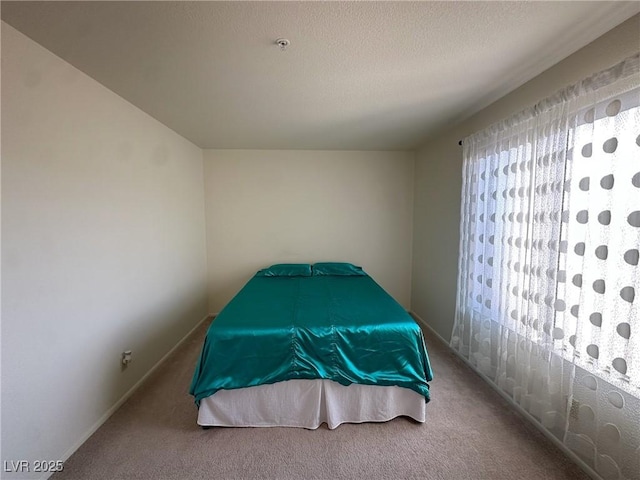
308, 404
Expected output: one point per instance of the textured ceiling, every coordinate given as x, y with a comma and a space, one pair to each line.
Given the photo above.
357, 75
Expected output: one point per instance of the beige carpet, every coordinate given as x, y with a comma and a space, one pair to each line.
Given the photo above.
470, 433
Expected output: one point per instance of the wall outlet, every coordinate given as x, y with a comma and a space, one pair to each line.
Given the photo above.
126, 357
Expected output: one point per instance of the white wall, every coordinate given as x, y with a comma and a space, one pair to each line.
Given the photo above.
103, 248
269, 206
438, 174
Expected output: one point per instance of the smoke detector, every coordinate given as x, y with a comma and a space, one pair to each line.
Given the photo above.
283, 43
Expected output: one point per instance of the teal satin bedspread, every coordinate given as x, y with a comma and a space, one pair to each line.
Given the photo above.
342, 328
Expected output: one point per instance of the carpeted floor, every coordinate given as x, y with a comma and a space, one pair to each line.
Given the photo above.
470, 433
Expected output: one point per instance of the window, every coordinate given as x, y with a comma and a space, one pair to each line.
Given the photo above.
601, 230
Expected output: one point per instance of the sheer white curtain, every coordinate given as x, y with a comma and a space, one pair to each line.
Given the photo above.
548, 303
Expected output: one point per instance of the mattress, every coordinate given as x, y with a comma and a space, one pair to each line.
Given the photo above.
345, 329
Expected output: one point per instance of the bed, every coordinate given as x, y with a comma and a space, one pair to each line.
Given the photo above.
299, 346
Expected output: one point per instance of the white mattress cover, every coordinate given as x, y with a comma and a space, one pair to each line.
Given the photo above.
308, 404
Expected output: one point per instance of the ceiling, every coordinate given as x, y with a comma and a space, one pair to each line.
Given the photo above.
357, 75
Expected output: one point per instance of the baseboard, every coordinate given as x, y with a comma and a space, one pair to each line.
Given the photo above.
569, 453
128, 394
428, 327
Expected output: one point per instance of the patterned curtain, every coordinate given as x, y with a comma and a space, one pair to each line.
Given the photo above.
548, 303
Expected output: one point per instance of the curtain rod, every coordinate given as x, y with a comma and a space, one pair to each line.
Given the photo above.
628, 67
